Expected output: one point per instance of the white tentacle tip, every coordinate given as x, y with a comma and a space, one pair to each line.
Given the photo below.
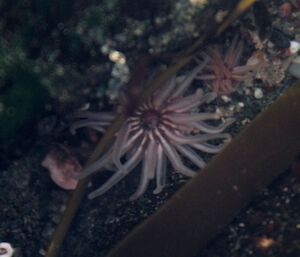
158, 190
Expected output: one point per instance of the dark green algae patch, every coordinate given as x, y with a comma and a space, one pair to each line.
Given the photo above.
195, 214
22, 99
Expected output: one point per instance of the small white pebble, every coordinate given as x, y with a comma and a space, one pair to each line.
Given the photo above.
117, 57
225, 98
247, 91
231, 108
219, 111
294, 47
245, 121
258, 93
6, 250
241, 225
105, 49
138, 31
285, 189
240, 106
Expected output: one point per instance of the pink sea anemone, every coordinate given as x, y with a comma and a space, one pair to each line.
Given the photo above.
168, 128
223, 72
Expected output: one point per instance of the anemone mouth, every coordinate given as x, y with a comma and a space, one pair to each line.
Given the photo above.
150, 119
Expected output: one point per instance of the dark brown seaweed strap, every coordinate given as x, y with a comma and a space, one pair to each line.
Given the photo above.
264, 149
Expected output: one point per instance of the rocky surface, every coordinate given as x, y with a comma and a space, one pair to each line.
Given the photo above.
76, 67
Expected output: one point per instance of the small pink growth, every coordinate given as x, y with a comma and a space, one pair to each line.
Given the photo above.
63, 167
223, 71
285, 10
92, 135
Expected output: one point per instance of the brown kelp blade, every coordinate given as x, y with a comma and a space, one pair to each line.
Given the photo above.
196, 213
